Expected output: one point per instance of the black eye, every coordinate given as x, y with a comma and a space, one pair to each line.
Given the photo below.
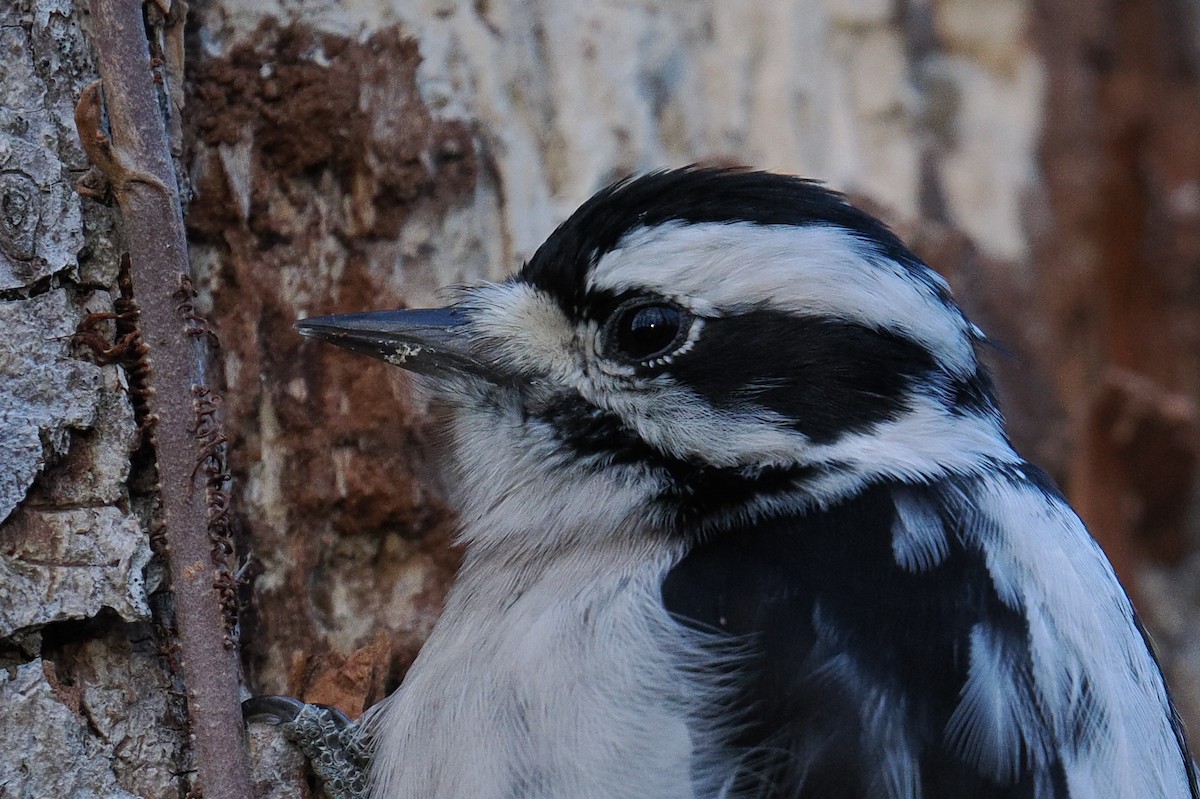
643, 331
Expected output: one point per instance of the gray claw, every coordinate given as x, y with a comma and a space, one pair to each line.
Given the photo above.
326, 736
271, 709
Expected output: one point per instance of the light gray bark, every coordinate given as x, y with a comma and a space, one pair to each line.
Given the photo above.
86, 708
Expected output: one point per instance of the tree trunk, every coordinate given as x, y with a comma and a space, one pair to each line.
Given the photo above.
88, 704
1043, 155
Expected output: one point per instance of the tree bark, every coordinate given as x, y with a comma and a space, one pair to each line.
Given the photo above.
1043, 155
89, 701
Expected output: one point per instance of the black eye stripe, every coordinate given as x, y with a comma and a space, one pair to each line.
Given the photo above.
827, 376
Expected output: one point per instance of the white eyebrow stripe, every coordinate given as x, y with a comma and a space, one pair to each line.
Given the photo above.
816, 269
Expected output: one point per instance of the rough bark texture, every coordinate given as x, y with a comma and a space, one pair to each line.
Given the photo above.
88, 707
352, 155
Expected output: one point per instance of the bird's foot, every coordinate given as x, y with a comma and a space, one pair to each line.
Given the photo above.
329, 740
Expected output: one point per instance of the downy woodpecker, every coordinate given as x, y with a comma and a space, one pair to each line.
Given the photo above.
742, 520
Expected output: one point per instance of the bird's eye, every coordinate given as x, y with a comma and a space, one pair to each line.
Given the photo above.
643, 331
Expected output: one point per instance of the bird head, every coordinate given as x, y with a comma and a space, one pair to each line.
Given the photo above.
708, 343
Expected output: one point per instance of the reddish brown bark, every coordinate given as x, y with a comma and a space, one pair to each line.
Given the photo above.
1118, 268
307, 170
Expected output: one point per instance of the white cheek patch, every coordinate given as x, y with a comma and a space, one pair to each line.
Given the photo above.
916, 446
523, 329
676, 421
815, 270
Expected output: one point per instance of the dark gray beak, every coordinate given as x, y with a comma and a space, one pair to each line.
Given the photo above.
430, 341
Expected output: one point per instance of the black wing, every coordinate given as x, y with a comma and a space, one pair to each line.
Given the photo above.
858, 663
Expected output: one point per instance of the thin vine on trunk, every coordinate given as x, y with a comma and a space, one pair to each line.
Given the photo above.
134, 155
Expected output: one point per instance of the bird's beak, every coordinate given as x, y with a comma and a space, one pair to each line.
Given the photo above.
433, 341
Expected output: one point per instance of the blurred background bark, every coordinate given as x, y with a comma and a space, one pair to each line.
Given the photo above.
354, 154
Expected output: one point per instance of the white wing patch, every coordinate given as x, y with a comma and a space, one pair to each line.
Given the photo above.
901, 775
997, 723
918, 535
1092, 675
883, 715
